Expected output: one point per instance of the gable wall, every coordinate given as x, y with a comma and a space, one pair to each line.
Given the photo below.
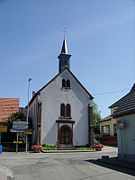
52, 96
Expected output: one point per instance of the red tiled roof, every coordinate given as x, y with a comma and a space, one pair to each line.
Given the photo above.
8, 106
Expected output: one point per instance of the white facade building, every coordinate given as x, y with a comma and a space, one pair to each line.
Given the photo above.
61, 111
125, 116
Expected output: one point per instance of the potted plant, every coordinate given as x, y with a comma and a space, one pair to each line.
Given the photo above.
36, 148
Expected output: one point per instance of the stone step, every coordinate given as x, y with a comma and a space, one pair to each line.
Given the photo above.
66, 147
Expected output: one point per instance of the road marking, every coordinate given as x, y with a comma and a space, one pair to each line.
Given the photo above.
5, 173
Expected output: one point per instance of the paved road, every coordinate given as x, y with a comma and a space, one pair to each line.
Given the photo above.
62, 166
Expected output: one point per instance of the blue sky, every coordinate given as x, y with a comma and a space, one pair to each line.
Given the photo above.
100, 37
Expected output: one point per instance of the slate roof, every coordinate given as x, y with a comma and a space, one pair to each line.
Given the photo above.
107, 118
64, 47
126, 105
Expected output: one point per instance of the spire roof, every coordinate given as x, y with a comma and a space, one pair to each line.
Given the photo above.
64, 57
64, 49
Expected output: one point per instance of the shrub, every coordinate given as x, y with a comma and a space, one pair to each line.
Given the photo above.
49, 147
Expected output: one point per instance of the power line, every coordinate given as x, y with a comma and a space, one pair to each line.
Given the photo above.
111, 92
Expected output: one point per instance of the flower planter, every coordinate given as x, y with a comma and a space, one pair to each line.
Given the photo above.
36, 148
36, 151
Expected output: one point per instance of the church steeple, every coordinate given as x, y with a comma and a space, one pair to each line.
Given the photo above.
64, 57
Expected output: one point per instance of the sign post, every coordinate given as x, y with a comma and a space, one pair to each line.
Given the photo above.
18, 127
16, 143
3, 129
0, 137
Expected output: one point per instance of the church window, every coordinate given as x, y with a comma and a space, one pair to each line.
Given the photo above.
68, 83
62, 110
65, 110
63, 83
68, 110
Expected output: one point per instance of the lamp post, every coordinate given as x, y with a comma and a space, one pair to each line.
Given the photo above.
26, 147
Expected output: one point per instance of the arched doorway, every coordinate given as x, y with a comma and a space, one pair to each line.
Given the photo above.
65, 135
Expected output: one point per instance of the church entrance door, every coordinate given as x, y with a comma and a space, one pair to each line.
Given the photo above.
65, 133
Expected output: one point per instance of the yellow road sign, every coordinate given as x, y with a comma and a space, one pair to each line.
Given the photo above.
28, 132
17, 142
3, 129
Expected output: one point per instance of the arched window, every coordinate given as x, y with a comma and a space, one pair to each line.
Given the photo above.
68, 110
62, 109
68, 83
63, 83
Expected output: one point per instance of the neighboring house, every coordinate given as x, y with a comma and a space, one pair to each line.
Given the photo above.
125, 116
108, 131
108, 126
8, 106
61, 111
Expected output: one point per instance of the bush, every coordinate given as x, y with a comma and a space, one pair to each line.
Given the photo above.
49, 147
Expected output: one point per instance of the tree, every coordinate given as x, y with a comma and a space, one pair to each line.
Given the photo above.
18, 116
96, 119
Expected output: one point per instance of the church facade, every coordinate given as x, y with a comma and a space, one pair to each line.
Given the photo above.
61, 111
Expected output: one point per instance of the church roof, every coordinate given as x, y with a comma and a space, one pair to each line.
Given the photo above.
38, 92
126, 104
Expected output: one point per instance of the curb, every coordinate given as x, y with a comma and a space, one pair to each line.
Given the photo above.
66, 151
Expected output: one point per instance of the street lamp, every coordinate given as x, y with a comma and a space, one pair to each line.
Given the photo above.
26, 148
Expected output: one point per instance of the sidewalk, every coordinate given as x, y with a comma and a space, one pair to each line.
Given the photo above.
5, 173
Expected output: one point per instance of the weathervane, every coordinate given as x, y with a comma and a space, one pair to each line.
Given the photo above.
65, 31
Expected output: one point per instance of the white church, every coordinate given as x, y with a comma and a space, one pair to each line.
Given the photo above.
61, 111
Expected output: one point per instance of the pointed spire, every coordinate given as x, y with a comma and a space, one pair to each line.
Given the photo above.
64, 57
64, 47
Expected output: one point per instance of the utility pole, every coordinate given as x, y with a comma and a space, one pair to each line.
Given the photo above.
26, 147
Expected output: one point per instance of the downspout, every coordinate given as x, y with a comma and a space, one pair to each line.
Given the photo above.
90, 124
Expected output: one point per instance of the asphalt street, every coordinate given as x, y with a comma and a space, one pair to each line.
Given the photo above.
62, 166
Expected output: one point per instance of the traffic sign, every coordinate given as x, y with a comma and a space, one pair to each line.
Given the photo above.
28, 132
17, 142
3, 129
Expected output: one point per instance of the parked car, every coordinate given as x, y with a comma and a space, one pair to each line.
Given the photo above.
97, 145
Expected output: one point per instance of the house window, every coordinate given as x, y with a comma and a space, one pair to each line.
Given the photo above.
65, 110
106, 130
115, 130
66, 83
